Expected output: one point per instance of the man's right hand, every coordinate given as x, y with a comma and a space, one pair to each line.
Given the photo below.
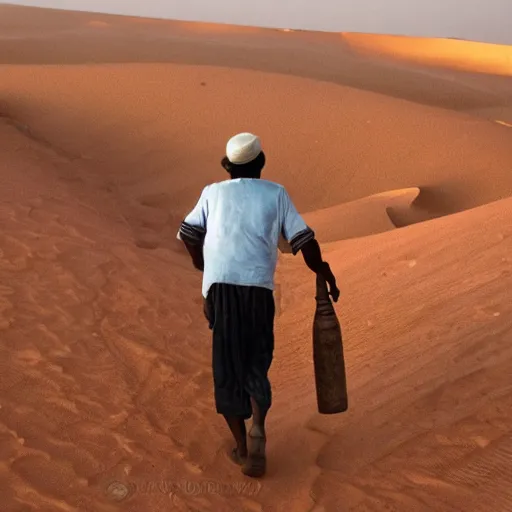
331, 281
334, 291
313, 258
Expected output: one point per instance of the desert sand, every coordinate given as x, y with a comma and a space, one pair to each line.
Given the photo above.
400, 158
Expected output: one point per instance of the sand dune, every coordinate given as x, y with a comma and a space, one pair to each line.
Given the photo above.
426, 322
109, 128
453, 54
364, 217
375, 214
346, 145
67, 38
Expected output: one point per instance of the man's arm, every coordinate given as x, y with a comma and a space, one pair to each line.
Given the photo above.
196, 253
313, 258
302, 239
193, 230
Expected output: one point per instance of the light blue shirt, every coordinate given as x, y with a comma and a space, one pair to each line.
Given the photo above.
241, 221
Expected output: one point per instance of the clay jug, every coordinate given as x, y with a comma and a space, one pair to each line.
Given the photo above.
329, 362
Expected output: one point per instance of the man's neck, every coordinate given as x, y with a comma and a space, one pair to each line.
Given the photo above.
246, 176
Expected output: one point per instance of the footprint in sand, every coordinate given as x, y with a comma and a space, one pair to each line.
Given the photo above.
161, 201
148, 241
117, 491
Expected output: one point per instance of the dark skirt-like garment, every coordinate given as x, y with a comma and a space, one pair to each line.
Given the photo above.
242, 323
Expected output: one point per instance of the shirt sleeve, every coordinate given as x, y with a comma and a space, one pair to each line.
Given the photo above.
193, 228
294, 230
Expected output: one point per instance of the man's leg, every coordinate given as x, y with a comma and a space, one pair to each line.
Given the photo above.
237, 426
259, 415
256, 462
257, 383
228, 357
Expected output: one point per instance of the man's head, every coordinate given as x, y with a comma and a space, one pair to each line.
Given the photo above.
244, 156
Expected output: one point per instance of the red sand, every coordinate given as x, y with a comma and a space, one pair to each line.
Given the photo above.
108, 131
453, 54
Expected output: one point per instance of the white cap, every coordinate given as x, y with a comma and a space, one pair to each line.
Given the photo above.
243, 148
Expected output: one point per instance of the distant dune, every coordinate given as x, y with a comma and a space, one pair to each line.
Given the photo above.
399, 154
363, 217
453, 54
344, 145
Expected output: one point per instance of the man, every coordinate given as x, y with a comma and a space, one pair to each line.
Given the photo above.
232, 236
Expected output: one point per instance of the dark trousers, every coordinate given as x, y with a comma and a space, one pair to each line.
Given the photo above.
242, 322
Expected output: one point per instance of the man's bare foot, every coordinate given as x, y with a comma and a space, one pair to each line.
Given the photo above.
237, 456
256, 463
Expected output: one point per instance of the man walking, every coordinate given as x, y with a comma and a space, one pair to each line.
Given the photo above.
232, 236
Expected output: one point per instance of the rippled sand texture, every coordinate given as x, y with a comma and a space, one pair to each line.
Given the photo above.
399, 154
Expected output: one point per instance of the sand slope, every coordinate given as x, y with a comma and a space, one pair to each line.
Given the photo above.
105, 382
93, 330
341, 145
453, 54
363, 217
426, 323
44, 36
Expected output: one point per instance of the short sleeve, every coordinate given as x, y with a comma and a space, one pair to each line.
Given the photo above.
294, 230
193, 228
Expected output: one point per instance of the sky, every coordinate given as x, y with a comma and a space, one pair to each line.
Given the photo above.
479, 20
